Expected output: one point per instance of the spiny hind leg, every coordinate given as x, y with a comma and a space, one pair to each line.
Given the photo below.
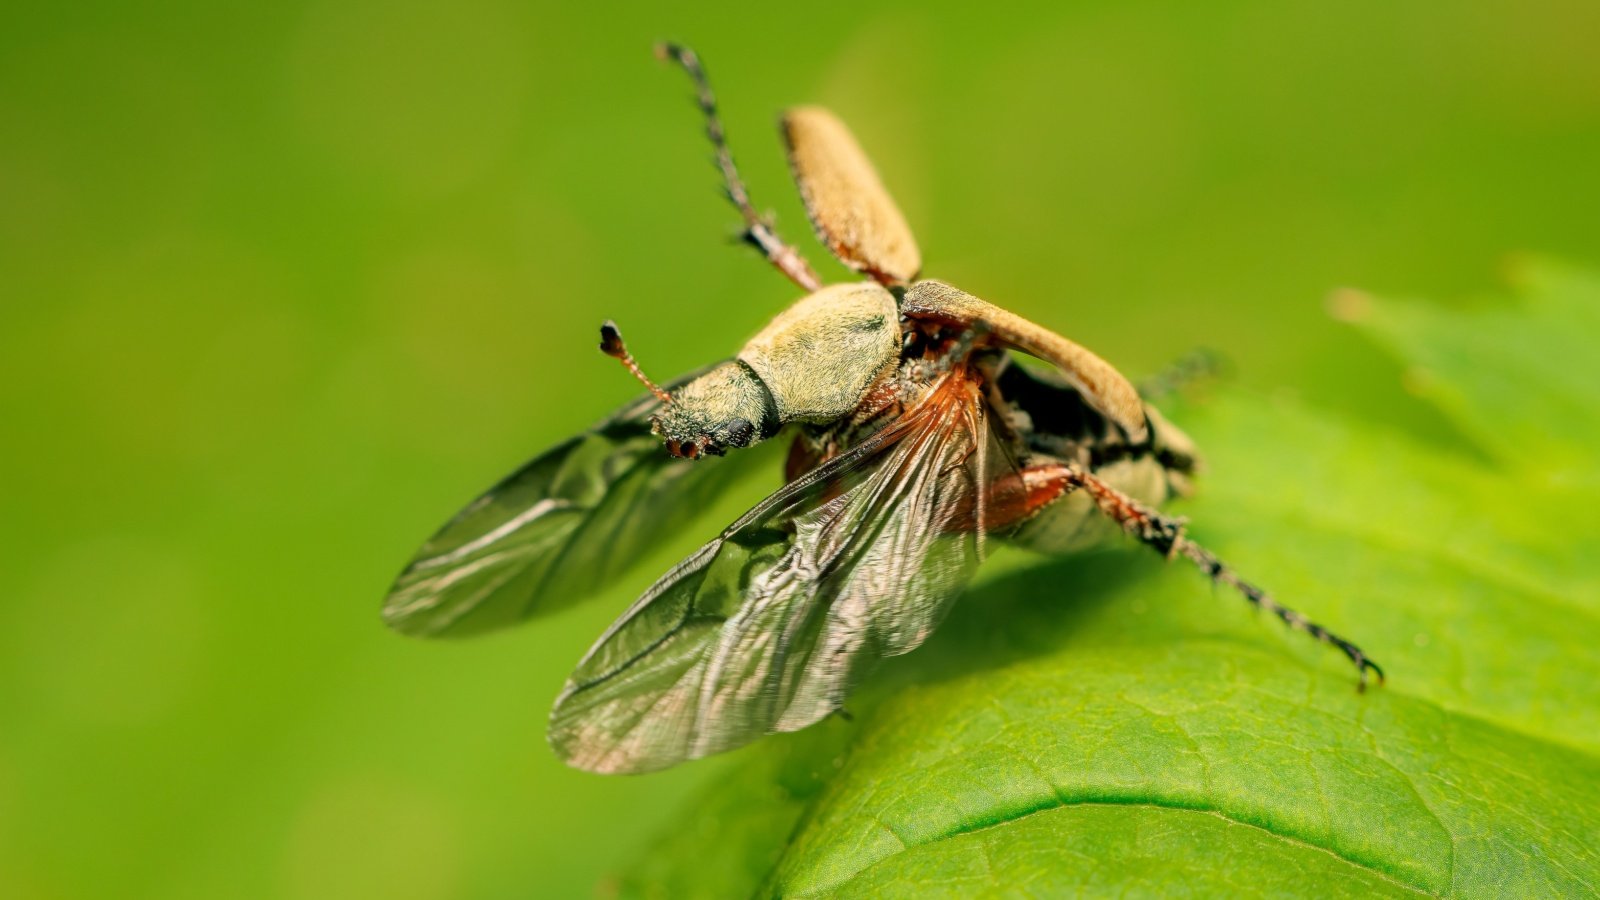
1199, 364
758, 230
1164, 534
1259, 598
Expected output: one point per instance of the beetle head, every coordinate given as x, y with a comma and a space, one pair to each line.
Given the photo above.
726, 407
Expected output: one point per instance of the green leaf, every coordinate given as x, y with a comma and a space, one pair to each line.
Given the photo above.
1106, 724
1519, 378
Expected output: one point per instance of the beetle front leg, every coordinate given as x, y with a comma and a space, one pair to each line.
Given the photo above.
1020, 495
758, 231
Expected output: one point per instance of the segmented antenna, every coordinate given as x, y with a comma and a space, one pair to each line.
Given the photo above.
611, 345
757, 230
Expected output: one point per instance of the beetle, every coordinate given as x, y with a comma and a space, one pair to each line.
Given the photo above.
917, 437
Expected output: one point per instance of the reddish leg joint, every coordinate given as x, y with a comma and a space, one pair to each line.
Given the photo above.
1018, 496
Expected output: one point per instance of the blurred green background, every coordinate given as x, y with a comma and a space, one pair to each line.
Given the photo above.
283, 285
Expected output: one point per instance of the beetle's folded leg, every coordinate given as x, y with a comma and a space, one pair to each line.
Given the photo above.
1199, 364
783, 256
1165, 535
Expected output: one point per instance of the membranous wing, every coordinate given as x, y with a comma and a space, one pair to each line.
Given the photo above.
554, 531
769, 626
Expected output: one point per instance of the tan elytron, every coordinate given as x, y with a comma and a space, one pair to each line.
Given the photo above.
917, 436
848, 204
1106, 389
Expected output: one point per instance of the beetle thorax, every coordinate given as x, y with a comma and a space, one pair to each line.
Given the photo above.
822, 355
814, 363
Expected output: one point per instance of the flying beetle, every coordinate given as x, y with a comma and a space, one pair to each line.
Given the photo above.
916, 438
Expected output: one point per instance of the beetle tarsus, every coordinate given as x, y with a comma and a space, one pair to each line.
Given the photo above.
1164, 534
758, 230
1262, 600
1199, 364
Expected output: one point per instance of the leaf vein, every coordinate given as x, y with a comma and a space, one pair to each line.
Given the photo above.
1148, 804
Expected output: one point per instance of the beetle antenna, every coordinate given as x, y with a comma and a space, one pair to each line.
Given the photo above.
757, 230
611, 345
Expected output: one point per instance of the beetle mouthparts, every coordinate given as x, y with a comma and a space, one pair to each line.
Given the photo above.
695, 449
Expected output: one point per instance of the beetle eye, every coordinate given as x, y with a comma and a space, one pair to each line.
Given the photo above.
740, 432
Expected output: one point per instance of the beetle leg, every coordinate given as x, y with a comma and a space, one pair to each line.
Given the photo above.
1018, 496
1199, 364
758, 231
1165, 535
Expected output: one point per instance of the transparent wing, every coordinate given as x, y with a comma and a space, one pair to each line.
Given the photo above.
769, 626
554, 531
